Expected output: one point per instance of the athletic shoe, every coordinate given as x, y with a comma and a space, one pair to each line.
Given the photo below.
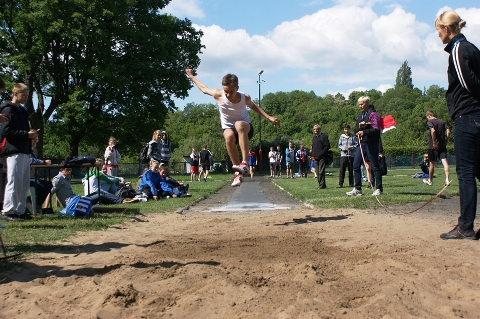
428, 182
237, 179
447, 181
141, 198
377, 192
457, 233
241, 168
354, 192
204, 179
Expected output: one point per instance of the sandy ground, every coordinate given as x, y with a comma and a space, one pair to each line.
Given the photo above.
298, 263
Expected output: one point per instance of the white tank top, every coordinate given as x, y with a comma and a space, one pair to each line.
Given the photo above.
230, 113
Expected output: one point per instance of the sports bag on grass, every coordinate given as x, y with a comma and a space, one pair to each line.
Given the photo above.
126, 191
77, 207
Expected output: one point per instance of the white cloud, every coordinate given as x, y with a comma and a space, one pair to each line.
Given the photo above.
334, 47
384, 87
184, 8
338, 38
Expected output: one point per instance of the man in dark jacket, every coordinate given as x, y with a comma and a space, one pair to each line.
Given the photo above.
319, 149
17, 137
367, 130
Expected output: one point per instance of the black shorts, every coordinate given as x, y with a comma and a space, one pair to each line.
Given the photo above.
434, 155
206, 167
250, 134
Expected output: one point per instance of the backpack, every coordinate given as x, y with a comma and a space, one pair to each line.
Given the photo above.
143, 155
329, 158
78, 207
126, 191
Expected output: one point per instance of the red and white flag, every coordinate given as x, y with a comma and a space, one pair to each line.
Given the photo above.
388, 123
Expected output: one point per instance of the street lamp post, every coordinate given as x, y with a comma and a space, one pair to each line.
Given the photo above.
259, 124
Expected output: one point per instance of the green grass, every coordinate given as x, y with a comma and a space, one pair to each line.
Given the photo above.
41, 233
398, 188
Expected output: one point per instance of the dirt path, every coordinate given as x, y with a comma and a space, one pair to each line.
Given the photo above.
299, 263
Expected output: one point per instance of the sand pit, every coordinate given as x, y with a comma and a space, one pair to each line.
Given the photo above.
286, 263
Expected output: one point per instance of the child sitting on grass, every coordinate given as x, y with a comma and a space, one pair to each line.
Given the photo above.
155, 187
177, 188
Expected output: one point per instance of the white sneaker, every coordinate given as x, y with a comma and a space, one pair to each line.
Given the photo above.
237, 179
140, 198
427, 181
377, 192
354, 192
241, 168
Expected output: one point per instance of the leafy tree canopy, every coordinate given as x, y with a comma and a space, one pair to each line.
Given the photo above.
98, 68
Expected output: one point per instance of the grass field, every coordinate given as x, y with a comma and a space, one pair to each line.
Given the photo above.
40, 233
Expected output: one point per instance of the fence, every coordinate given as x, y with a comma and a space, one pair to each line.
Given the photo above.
393, 162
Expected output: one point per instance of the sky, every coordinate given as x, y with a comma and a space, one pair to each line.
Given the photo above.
324, 46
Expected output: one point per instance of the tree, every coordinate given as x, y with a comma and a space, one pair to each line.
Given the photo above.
105, 67
404, 76
435, 91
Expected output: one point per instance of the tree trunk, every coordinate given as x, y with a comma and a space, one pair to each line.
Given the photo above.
74, 147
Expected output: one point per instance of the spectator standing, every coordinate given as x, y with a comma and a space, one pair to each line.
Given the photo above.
463, 103
3, 169
279, 159
193, 165
272, 159
302, 159
290, 159
367, 130
347, 144
165, 148
153, 148
234, 118
112, 157
252, 162
206, 160
437, 146
17, 151
319, 149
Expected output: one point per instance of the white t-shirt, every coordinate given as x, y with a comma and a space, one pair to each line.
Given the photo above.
272, 155
231, 113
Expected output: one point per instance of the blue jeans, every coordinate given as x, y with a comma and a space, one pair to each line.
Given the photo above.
467, 146
371, 150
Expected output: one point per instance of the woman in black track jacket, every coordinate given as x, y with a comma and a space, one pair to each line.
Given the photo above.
463, 102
